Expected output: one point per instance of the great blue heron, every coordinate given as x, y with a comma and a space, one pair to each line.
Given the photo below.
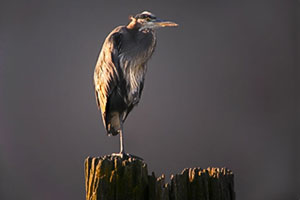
121, 67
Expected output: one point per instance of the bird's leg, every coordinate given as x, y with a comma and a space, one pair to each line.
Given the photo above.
122, 150
122, 153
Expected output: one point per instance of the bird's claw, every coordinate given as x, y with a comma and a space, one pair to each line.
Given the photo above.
126, 156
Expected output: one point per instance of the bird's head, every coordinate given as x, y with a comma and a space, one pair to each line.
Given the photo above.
147, 20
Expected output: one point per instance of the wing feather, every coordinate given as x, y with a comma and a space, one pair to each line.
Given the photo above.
107, 72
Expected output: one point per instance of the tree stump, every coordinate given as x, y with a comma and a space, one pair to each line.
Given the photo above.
115, 178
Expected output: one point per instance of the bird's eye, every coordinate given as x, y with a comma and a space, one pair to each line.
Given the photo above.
148, 19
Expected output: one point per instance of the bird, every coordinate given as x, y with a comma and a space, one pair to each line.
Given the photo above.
120, 70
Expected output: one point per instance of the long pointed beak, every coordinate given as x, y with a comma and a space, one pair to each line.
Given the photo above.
164, 23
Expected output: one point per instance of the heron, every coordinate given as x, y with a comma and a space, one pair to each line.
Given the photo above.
120, 71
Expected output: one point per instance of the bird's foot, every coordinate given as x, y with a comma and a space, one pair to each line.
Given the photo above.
126, 155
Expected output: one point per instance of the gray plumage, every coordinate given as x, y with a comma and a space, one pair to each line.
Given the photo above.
121, 68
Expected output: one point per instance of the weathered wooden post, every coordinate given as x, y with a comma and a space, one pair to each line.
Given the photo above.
114, 178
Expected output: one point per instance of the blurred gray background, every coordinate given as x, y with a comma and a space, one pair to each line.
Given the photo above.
221, 90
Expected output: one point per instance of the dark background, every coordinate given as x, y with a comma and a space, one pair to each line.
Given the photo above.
221, 90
